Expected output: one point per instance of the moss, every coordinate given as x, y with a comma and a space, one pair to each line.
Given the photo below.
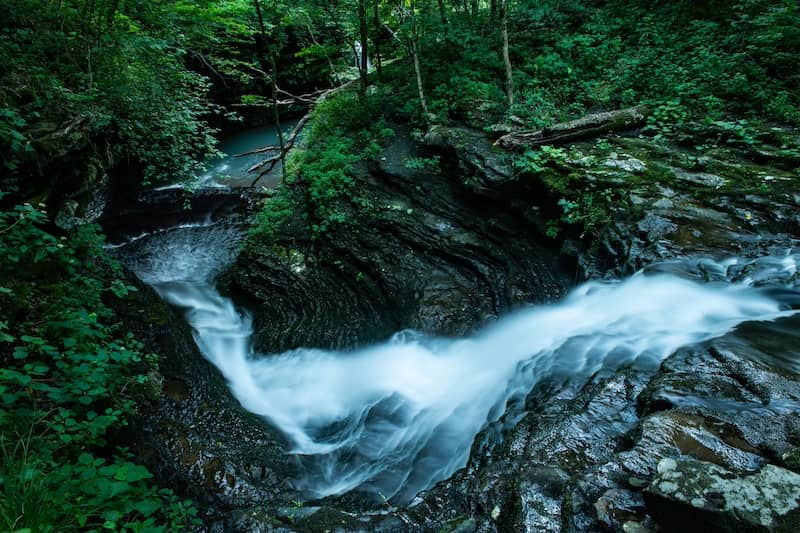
459, 524
791, 459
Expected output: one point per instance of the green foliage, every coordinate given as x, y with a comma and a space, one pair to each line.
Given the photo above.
584, 205
538, 161
429, 164
738, 132
590, 210
465, 76
615, 54
13, 141
667, 119
117, 71
90, 494
344, 130
571, 57
327, 175
69, 381
275, 213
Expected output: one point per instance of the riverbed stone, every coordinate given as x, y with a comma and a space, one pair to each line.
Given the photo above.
627, 164
693, 495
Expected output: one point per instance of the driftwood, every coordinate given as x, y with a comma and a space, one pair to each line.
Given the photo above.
265, 166
270, 162
590, 125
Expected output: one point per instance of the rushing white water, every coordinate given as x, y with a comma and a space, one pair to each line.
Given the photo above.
399, 416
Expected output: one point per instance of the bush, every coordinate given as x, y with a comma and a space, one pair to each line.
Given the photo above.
118, 70
69, 381
344, 129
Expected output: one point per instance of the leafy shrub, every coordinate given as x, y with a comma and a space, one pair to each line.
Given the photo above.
13, 141
732, 60
667, 119
118, 70
345, 129
429, 164
583, 205
69, 381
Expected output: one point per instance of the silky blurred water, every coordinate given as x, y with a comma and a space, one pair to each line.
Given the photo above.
397, 417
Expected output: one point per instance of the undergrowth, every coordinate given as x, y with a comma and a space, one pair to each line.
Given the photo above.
70, 380
320, 187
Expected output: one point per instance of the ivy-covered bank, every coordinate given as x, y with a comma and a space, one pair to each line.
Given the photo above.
98, 100
71, 379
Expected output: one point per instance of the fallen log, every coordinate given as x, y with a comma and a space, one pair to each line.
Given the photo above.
588, 126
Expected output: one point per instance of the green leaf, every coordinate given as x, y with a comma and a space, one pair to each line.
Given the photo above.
20, 352
147, 507
85, 459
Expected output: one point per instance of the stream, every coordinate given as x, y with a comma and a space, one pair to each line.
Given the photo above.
231, 171
396, 417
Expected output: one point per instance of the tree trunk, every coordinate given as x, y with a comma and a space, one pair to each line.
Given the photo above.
421, 89
417, 70
276, 114
506, 58
588, 126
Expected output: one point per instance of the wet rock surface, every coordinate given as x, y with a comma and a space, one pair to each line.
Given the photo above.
192, 434
445, 253
581, 460
712, 498
720, 205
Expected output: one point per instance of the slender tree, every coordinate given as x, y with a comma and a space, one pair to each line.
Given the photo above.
415, 53
506, 57
266, 47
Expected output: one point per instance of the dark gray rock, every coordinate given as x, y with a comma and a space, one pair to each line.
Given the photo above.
192, 434
478, 157
447, 252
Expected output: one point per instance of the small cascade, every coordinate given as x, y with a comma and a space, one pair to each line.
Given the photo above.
359, 50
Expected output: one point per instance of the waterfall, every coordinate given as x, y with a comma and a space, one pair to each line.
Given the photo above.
398, 416
358, 49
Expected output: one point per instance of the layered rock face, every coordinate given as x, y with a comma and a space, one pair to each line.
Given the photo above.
427, 254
